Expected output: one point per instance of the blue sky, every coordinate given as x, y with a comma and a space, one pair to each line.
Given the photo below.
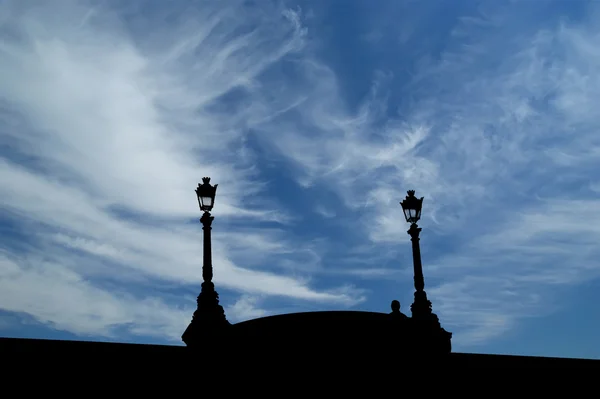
314, 118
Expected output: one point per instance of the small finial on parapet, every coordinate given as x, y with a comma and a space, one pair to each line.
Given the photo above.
396, 310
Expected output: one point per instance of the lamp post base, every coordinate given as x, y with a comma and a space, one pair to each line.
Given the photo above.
427, 328
429, 339
421, 307
208, 320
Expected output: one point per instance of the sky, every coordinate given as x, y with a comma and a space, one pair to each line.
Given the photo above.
314, 118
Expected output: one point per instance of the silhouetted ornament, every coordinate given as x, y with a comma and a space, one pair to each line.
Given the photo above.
396, 313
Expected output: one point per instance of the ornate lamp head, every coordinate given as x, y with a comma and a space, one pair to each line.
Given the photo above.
206, 194
411, 206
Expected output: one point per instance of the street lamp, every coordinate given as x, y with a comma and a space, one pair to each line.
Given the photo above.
206, 200
411, 205
206, 194
209, 315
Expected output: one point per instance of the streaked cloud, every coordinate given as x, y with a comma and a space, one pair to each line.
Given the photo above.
111, 113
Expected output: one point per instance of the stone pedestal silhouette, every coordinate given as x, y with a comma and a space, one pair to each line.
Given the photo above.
208, 320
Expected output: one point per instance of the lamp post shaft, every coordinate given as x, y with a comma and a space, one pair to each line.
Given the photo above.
421, 307
416, 250
207, 272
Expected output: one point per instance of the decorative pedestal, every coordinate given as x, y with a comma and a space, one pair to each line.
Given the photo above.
428, 337
208, 319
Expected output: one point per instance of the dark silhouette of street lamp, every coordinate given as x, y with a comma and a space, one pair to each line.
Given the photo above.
206, 200
411, 205
209, 315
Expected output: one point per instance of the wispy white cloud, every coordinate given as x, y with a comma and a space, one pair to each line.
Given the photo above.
104, 119
61, 297
502, 143
245, 308
110, 124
